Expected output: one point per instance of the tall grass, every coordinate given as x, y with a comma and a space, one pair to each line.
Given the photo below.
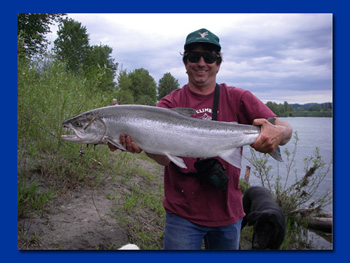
47, 95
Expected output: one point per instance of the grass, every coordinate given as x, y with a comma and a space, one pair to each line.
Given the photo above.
139, 210
31, 199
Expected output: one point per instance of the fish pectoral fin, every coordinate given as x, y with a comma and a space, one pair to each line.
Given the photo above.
276, 154
233, 157
177, 160
116, 144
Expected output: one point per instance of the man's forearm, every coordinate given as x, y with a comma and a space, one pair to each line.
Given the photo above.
160, 159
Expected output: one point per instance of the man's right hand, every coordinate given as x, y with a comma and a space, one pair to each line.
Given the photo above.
132, 147
128, 144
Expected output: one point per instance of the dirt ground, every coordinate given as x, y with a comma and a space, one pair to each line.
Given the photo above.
80, 220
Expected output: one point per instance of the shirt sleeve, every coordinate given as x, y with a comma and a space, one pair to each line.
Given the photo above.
252, 108
170, 100
165, 103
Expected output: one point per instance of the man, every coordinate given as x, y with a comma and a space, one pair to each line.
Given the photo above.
196, 211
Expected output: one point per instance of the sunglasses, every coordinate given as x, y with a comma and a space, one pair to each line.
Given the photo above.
208, 57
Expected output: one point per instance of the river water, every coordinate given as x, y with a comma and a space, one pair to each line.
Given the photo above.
312, 133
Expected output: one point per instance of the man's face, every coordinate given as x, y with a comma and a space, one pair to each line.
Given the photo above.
200, 73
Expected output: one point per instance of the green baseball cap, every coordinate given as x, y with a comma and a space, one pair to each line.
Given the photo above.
203, 36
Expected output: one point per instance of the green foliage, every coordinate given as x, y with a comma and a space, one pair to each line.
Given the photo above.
143, 87
99, 67
31, 31
136, 87
47, 95
281, 110
31, 199
93, 62
124, 94
72, 44
143, 215
166, 85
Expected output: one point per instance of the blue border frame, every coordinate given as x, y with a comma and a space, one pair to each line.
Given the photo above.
9, 130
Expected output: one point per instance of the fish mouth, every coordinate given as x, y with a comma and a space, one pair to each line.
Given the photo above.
72, 135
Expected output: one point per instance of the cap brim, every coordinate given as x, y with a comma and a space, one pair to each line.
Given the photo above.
215, 46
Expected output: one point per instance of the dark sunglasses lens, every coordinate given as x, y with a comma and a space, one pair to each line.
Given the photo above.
208, 57
193, 57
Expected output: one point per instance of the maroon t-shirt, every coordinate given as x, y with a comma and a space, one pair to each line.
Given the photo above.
186, 196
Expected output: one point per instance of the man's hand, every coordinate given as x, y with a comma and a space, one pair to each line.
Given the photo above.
271, 135
132, 147
128, 144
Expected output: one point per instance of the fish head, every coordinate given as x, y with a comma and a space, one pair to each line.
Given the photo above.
87, 128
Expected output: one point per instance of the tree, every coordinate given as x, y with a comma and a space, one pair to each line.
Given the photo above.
166, 85
124, 95
31, 31
100, 67
72, 44
143, 87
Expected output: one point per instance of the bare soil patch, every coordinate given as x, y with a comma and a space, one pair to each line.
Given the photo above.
82, 218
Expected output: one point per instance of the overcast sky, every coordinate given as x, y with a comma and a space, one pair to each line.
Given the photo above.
278, 57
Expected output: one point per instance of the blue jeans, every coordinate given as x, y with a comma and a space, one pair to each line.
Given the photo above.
183, 235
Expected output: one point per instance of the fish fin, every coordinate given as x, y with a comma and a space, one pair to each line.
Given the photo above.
184, 111
116, 144
276, 154
272, 120
233, 157
177, 160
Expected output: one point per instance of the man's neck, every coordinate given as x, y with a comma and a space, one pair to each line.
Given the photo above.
203, 90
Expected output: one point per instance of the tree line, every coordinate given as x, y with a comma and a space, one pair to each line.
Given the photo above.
99, 69
301, 110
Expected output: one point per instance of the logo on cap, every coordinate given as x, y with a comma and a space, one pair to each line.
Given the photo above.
204, 34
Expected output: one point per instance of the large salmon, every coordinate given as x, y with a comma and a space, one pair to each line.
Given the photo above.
170, 132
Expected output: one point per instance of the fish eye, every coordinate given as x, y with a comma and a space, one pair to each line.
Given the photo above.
78, 124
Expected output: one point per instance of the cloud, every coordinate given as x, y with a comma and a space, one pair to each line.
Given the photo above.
277, 56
